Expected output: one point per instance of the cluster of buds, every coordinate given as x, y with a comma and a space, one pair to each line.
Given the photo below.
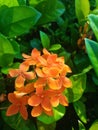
85, 32
40, 82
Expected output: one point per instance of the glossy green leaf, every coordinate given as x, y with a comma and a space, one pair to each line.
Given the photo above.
92, 51
80, 110
81, 125
16, 122
55, 47
82, 8
7, 52
9, 3
78, 87
94, 126
13, 22
58, 114
44, 40
50, 10
93, 21
96, 3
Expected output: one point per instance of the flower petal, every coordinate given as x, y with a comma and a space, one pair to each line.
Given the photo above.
67, 82
36, 111
39, 72
34, 100
63, 100
14, 72
54, 101
12, 98
12, 109
40, 82
19, 82
23, 112
35, 53
29, 75
54, 84
49, 113
24, 66
46, 104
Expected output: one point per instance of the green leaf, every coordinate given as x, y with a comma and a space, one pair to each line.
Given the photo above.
35, 2
22, 2
81, 125
13, 22
9, 3
5, 70
7, 52
94, 126
55, 47
58, 114
50, 10
78, 86
80, 110
16, 122
44, 40
82, 8
92, 51
96, 3
93, 21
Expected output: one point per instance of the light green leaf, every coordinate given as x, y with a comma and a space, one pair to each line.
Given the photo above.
82, 8
13, 22
55, 47
58, 114
94, 126
7, 52
9, 3
78, 87
80, 110
44, 40
92, 51
93, 21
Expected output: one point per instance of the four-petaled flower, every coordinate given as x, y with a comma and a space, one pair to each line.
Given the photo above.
18, 105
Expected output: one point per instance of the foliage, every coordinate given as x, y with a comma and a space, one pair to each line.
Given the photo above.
47, 31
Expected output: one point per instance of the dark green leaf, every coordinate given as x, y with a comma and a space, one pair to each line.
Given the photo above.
58, 114
81, 125
50, 10
13, 22
92, 50
82, 9
80, 110
35, 43
44, 40
78, 86
16, 122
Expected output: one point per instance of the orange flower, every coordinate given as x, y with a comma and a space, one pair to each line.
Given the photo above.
18, 105
40, 102
21, 75
33, 59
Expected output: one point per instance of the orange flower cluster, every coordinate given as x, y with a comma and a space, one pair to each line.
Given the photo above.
40, 83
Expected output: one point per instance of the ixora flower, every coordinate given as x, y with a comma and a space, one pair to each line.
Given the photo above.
40, 83
18, 105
